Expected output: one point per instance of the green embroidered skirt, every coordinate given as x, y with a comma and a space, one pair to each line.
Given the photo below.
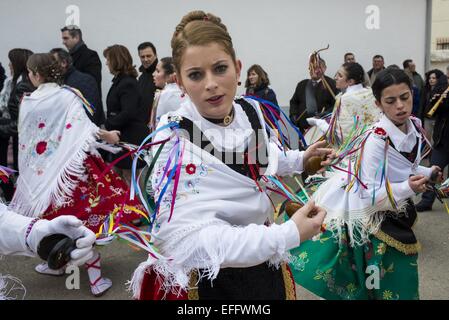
333, 270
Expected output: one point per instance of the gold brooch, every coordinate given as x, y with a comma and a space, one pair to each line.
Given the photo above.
227, 120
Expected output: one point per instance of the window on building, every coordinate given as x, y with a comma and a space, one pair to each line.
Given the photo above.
442, 43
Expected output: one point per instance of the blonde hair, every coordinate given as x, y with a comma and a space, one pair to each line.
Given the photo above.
198, 28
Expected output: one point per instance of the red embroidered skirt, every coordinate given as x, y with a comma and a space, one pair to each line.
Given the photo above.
95, 198
151, 289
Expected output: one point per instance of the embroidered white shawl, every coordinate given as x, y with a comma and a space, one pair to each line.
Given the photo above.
355, 208
357, 103
55, 136
209, 194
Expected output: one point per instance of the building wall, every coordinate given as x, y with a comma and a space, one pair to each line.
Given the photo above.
440, 29
279, 35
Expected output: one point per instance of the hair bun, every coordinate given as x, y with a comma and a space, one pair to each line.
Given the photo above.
198, 15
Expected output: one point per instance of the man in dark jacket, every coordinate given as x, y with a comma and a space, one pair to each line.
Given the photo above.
312, 98
84, 59
440, 151
84, 82
378, 66
148, 57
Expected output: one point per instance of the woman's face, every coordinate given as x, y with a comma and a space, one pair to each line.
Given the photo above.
253, 77
109, 66
341, 80
159, 76
209, 76
396, 103
433, 79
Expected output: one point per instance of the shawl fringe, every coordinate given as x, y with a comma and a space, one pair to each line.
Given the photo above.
60, 191
361, 224
174, 273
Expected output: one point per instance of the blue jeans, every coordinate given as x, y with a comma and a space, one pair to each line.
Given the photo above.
439, 157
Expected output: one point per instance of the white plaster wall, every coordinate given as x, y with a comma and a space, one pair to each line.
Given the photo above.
279, 35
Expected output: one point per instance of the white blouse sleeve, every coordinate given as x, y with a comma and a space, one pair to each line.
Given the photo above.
250, 245
427, 172
13, 229
289, 162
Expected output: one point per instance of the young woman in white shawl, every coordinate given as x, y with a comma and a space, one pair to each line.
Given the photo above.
354, 106
61, 171
370, 250
214, 241
169, 97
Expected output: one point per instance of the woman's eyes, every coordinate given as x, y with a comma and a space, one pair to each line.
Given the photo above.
196, 75
405, 97
221, 68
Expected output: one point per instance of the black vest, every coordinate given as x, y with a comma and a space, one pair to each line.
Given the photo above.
259, 282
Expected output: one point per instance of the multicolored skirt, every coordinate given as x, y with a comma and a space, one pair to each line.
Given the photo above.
97, 196
334, 270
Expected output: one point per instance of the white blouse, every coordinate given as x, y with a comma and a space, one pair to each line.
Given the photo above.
13, 228
170, 99
219, 216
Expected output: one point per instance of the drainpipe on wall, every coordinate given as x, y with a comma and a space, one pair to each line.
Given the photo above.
428, 35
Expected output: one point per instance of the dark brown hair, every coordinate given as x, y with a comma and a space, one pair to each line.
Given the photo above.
389, 77
120, 60
18, 58
263, 76
47, 66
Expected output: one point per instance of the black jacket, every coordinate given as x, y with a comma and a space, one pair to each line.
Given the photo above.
86, 84
2, 77
8, 125
87, 61
125, 113
147, 86
298, 103
441, 128
370, 73
264, 92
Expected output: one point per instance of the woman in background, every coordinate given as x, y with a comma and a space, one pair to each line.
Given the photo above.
257, 84
170, 97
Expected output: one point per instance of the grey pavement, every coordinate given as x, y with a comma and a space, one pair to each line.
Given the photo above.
120, 260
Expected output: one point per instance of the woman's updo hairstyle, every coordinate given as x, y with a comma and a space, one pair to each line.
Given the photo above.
169, 69
198, 28
354, 71
47, 66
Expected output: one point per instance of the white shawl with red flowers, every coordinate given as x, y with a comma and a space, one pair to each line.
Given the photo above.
55, 136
